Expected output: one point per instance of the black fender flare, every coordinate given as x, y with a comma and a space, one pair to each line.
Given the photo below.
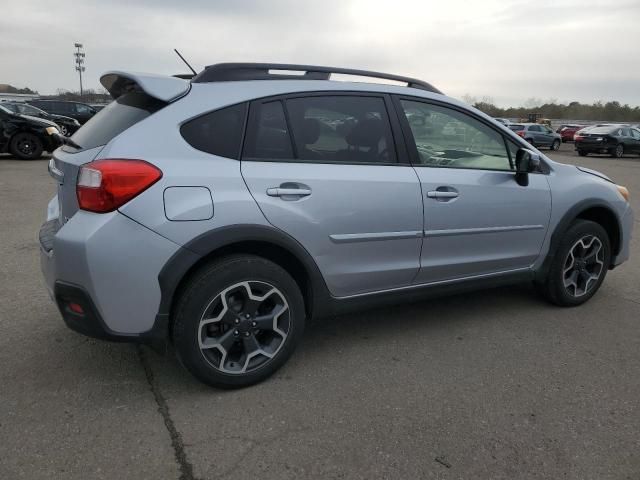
562, 226
190, 254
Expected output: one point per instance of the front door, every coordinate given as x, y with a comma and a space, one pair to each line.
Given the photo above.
477, 219
324, 169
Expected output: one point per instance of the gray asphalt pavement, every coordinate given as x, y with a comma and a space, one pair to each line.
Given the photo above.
490, 385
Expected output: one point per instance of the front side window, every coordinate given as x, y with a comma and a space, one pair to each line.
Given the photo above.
218, 132
448, 138
635, 133
344, 129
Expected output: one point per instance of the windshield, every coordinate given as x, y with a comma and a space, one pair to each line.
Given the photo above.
115, 118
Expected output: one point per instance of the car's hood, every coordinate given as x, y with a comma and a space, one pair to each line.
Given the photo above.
40, 121
594, 172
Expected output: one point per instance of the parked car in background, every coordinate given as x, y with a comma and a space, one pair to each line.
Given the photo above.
80, 111
568, 131
26, 137
615, 140
324, 194
504, 121
537, 135
98, 106
66, 125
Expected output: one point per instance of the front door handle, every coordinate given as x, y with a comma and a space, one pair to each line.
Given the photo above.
294, 192
442, 194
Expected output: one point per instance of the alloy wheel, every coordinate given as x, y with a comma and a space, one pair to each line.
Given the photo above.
619, 151
244, 327
583, 266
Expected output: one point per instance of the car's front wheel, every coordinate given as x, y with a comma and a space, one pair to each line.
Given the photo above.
579, 265
63, 129
555, 145
238, 320
26, 146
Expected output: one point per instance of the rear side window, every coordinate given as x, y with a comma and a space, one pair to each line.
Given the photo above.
218, 132
341, 129
115, 118
267, 134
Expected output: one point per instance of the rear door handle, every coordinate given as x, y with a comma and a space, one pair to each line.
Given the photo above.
280, 192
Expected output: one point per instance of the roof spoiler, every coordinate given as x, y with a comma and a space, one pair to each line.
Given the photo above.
162, 87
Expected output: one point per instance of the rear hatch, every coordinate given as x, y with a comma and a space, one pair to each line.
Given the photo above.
136, 96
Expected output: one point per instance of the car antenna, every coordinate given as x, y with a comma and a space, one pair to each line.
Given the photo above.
186, 63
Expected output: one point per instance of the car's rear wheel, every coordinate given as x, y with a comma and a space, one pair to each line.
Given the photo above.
582, 153
26, 146
238, 321
618, 152
555, 145
579, 265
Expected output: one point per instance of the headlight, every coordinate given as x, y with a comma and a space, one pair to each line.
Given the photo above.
624, 191
51, 130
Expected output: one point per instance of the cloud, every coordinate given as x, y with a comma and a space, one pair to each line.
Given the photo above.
509, 50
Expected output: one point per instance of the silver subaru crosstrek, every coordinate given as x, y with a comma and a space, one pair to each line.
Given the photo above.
220, 212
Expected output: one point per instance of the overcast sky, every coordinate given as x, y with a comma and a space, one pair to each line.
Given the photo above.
583, 50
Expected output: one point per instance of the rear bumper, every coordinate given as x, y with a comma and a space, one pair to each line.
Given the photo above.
109, 265
595, 147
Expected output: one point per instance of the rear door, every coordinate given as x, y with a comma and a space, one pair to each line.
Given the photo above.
478, 219
324, 168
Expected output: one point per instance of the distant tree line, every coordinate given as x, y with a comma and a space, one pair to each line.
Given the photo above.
610, 111
89, 95
4, 88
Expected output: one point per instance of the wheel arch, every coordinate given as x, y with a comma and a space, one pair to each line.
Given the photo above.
594, 210
264, 241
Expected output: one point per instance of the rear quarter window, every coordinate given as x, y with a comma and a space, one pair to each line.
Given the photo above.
115, 118
218, 132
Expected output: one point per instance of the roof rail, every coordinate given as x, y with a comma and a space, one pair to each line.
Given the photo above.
225, 72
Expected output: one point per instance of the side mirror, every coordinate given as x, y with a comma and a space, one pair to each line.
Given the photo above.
526, 161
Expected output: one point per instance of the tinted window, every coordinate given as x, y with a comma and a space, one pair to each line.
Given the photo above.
219, 132
11, 107
516, 128
626, 132
534, 128
469, 144
267, 133
29, 110
341, 129
635, 133
115, 118
84, 109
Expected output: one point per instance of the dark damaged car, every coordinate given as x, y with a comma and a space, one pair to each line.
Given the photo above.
26, 137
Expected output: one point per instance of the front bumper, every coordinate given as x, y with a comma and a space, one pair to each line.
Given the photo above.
109, 265
626, 224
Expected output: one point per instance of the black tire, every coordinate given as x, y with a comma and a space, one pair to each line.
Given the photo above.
64, 130
553, 287
555, 145
26, 146
204, 289
618, 152
582, 153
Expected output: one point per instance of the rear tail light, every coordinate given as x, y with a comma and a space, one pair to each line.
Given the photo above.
520, 133
577, 137
105, 185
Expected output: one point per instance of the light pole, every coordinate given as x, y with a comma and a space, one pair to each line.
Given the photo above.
79, 54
